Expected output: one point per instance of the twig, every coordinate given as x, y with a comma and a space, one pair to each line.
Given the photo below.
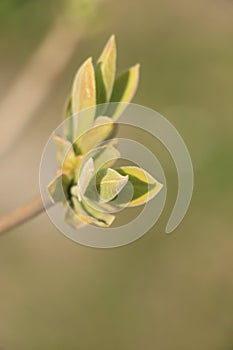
23, 214
30, 88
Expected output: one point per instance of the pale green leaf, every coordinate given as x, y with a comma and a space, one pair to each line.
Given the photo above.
145, 186
109, 184
105, 71
66, 158
58, 188
102, 129
72, 218
68, 126
84, 91
68, 108
85, 177
101, 120
84, 95
105, 157
64, 148
124, 90
90, 215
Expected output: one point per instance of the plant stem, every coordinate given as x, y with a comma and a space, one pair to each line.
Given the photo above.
23, 214
52, 56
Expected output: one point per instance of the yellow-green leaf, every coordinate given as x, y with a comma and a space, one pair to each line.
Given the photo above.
110, 183
105, 71
58, 188
105, 157
90, 215
68, 108
84, 95
66, 158
102, 129
145, 186
68, 127
124, 90
65, 149
72, 218
85, 177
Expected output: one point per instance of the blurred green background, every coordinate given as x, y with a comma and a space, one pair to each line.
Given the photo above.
161, 292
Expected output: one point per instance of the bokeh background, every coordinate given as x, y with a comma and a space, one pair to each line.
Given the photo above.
161, 292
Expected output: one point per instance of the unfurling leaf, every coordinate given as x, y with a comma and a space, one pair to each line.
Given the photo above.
84, 178
72, 218
89, 189
84, 91
66, 157
145, 186
90, 215
58, 188
69, 128
110, 183
105, 72
64, 148
102, 129
84, 96
105, 157
124, 90
68, 109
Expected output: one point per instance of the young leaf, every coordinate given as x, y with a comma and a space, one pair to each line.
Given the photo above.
110, 183
123, 91
102, 129
145, 186
85, 177
66, 158
72, 218
68, 127
68, 109
58, 188
77, 215
84, 95
63, 146
105, 71
105, 157
65, 150
90, 215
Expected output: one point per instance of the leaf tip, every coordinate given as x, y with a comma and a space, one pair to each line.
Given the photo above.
109, 49
88, 60
111, 41
136, 68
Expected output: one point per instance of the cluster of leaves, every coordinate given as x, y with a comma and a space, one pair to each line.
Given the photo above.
87, 183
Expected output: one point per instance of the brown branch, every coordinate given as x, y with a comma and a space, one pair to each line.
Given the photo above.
23, 214
33, 85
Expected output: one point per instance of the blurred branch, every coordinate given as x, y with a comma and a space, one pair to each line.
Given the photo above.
23, 214
33, 84
30, 89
